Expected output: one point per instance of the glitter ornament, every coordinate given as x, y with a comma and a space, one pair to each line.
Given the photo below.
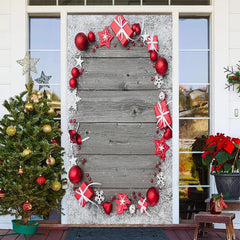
43, 81
50, 161
47, 128
28, 64
91, 37
132, 209
152, 196
73, 83
75, 174
56, 186
99, 198
11, 131
27, 206
161, 66
161, 180
75, 72
26, 152
50, 110
29, 107
81, 41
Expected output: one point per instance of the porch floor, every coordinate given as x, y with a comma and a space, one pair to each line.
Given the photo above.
173, 233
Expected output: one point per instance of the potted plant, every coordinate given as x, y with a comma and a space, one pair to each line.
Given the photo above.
221, 154
31, 163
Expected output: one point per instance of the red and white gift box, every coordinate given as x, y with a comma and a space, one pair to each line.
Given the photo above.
83, 194
142, 205
152, 43
122, 29
163, 115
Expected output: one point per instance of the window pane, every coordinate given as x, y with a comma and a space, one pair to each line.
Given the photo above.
193, 33
191, 169
190, 2
99, 2
42, 2
45, 33
127, 2
155, 2
70, 2
193, 101
194, 67
192, 201
189, 129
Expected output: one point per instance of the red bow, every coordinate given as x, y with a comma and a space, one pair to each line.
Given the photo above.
75, 137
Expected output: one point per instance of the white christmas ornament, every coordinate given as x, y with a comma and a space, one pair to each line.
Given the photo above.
99, 198
72, 160
161, 180
161, 96
132, 209
72, 99
79, 61
158, 81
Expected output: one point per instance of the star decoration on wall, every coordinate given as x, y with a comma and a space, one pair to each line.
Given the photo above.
144, 37
161, 148
79, 61
158, 81
105, 37
72, 99
43, 81
28, 63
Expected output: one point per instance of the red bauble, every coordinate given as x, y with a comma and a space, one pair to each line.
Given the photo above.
75, 174
152, 196
153, 56
161, 66
73, 83
136, 28
167, 134
91, 37
81, 41
107, 206
27, 206
55, 143
41, 180
75, 72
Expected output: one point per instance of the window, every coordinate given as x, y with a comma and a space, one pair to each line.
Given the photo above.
194, 117
119, 2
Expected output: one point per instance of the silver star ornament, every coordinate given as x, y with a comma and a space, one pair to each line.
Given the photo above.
43, 81
79, 61
28, 63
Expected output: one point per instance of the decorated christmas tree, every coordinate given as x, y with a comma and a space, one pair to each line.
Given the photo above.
31, 163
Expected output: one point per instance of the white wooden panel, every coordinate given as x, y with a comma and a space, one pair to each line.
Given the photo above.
234, 56
234, 20
4, 75
5, 40
234, 6
234, 39
4, 23
4, 58
5, 6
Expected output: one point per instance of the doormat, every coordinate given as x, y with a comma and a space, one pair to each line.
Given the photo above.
116, 233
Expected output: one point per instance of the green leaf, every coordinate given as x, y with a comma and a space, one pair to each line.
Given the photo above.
222, 157
211, 148
227, 167
208, 159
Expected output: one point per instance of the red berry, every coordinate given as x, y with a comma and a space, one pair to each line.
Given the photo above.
128, 48
133, 193
135, 197
74, 188
157, 132
84, 161
159, 169
70, 120
96, 46
74, 120
82, 70
151, 181
133, 43
155, 174
89, 179
142, 44
79, 147
87, 174
115, 45
139, 194
152, 78
139, 39
156, 166
94, 50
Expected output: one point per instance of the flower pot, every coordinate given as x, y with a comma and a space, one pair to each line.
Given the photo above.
228, 184
28, 229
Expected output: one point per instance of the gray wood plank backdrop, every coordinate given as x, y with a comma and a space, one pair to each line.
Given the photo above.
116, 112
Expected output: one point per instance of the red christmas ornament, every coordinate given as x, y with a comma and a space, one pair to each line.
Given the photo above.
136, 28
161, 66
55, 143
41, 180
107, 206
75, 174
81, 41
75, 72
152, 196
153, 56
73, 83
161, 148
167, 134
2, 194
91, 37
27, 206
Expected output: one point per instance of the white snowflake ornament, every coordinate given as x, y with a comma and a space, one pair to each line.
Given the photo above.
132, 209
158, 81
161, 180
72, 160
99, 198
79, 61
72, 99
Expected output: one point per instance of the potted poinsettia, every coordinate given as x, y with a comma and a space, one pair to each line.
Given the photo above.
221, 153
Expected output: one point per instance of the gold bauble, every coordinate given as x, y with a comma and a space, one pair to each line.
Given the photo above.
29, 107
26, 152
50, 161
47, 128
50, 111
56, 186
11, 130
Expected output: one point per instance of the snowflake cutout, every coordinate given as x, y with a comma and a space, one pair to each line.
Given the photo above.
132, 209
161, 180
158, 80
28, 63
99, 198
79, 61
72, 99
43, 81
